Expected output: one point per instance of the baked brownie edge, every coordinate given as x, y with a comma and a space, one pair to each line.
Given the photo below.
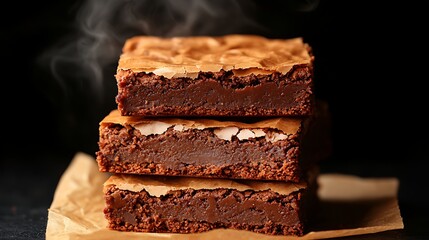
216, 94
194, 211
123, 149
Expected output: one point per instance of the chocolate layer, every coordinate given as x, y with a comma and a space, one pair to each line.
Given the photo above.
201, 151
197, 210
216, 94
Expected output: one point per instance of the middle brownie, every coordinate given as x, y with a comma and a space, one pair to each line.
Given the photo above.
266, 149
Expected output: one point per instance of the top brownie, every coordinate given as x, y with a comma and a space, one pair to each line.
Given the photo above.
232, 75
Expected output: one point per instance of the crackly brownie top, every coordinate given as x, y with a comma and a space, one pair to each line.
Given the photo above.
223, 129
187, 56
161, 185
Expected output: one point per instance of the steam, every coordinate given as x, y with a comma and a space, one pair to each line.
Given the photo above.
83, 63
89, 55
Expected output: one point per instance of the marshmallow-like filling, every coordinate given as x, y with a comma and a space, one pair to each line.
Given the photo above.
225, 133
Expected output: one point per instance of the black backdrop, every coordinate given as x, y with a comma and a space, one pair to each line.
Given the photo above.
59, 58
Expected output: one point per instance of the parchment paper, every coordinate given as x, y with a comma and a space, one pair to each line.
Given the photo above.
349, 206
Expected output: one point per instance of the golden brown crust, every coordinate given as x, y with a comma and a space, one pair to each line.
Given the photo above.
187, 56
286, 125
159, 185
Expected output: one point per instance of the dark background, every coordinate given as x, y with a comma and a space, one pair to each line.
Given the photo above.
59, 58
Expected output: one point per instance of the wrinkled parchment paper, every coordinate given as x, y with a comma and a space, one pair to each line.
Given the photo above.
350, 206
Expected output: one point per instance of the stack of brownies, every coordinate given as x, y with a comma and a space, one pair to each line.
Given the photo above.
212, 132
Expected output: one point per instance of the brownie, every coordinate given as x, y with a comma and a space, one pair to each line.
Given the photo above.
162, 204
267, 149
232, 75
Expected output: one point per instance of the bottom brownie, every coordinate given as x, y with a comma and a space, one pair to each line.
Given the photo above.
187, 205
